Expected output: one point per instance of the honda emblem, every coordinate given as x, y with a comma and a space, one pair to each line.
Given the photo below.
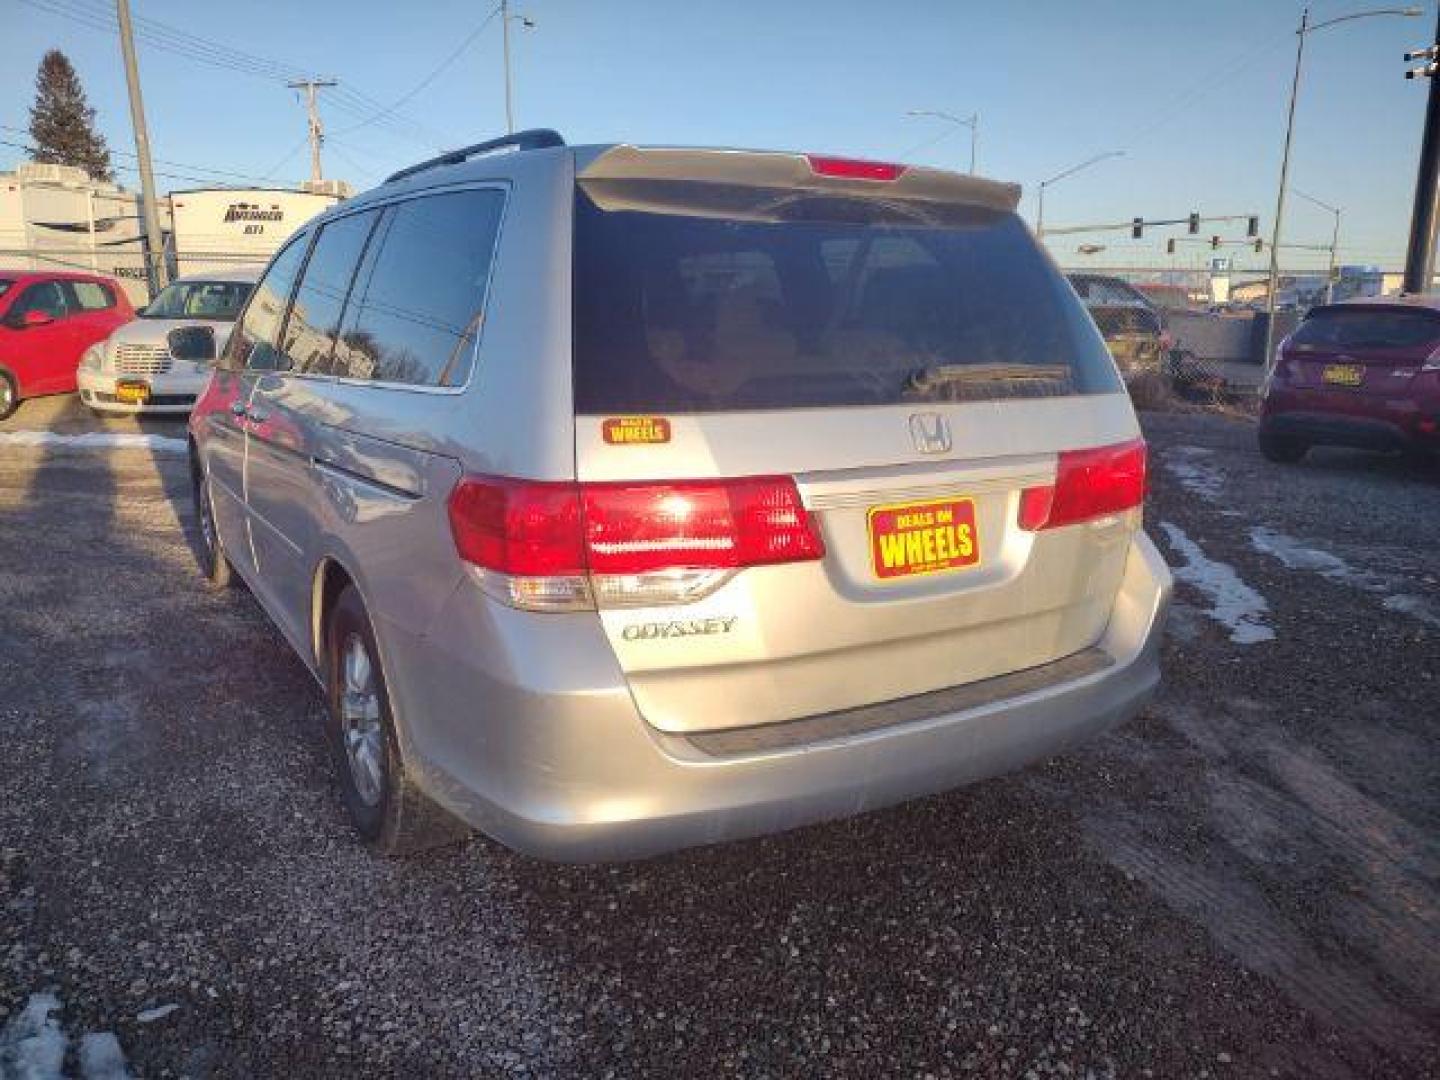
930, 432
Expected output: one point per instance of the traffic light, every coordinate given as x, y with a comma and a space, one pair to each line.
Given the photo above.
1214, 243
1430, 69
1137, 228
1252, 225
1194, 223
1170, 246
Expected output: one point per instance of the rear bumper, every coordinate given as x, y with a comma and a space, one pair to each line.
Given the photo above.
1345, 418
565, 768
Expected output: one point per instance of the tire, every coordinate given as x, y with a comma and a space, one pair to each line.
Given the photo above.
390, 813
1281, 449
214, 566
9, 395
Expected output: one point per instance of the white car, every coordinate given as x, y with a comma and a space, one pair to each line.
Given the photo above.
161, 360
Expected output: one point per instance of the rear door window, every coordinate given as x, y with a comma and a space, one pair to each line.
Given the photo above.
91, 295
1362, 328
414, 317
836, 305
255, 343
320, 298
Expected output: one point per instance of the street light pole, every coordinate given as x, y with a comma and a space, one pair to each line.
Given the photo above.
972, 122
1300, 34
1420, 255
1334, 240
154, 238
505, 34
1040, 209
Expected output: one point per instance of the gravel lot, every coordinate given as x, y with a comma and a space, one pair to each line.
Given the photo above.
1244, 882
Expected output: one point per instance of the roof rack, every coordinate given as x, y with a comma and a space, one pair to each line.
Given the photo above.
533, 139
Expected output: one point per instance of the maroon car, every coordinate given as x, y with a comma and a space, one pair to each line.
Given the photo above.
1362, 373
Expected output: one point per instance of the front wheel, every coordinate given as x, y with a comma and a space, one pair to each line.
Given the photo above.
1282, 449
9, 396
386, 807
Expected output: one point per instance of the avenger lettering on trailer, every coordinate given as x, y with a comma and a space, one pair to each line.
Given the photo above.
923, 538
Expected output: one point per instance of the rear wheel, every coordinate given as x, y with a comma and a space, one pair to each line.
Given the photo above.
1282, 449
214, 566
9, 395
388, 810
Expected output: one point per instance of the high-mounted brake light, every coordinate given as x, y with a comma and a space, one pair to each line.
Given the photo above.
854, 169
564, 546
1089, 484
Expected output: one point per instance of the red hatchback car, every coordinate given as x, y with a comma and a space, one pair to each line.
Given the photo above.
47, 321
1362, 373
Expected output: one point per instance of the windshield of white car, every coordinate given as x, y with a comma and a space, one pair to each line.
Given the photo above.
218, 300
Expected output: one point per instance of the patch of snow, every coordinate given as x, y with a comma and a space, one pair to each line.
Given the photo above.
100, 1057
1295, 555
1196, 475
158, 1013
32, 1046
1417, 607
1233, 604
94, 440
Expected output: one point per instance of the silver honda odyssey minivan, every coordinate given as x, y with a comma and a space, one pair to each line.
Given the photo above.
628, 498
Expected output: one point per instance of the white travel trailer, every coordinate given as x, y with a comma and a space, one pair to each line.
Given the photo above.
54, 217
220, 228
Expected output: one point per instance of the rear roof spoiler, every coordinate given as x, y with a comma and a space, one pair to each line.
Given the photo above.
793, 172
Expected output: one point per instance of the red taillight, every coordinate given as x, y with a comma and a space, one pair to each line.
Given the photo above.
853, 169
1088, 484
533, 529
518, 526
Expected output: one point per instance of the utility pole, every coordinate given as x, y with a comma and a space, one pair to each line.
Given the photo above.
317, 129
1420, 257
154, 239
505, 32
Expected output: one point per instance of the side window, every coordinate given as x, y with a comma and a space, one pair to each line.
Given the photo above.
415, 316
256, 341
315, 314
90, 296
45, 296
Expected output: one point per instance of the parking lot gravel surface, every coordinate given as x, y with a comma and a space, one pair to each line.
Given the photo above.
1243, 882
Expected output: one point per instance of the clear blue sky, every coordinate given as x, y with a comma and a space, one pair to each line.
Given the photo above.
1194, 93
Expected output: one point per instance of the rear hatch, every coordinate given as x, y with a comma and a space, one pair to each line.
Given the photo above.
889, 345
1364, 349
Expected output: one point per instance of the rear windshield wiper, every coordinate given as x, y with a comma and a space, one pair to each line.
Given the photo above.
929, 379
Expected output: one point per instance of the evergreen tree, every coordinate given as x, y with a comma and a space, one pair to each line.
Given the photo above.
62, 123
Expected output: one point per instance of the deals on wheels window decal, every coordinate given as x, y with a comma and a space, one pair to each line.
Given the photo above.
923, 538
628, 430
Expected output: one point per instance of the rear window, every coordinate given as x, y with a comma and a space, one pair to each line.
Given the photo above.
5, 284
833, 306
1360, 328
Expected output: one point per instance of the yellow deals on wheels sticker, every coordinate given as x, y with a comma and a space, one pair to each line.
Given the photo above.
625, 430
923, 538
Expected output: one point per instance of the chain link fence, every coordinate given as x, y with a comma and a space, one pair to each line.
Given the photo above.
1175, 328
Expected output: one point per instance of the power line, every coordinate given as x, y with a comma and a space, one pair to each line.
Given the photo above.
423, 83
163, 161
210, 180
201, 50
